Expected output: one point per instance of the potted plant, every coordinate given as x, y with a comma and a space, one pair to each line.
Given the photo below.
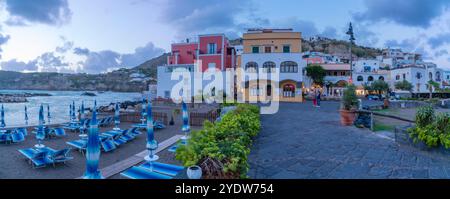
349, 105
194, 172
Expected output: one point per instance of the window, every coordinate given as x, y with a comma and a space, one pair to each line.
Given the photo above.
269, 67
286, 49
381, 78
288, 90
342, 73
430, 76
213, 92
404, 76
269, 90
370, 79
267, 49
289, 67
251, 67
397, 77
255, 92
360, 78
211, 66
255, 49
212, 48
438, 76
419, 75
335, 73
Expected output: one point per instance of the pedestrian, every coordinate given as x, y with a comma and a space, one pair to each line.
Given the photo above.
314, 98
318, 98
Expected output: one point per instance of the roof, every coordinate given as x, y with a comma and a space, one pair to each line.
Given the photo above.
336, 66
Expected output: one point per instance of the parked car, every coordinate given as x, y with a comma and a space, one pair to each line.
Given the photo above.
373, 97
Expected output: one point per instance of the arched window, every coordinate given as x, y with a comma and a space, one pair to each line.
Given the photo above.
269, 67
430, 75
419, 75
438, 76
269, 90
288, 90
370, 79
381, 78
289, 67
360, 78
251, 67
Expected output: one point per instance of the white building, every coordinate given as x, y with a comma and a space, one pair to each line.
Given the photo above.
417, 76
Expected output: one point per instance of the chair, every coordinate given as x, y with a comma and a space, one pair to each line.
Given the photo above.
17, 137
78, 144
57, 132
108, 145
60, 156
137, 172
37, 158
24, 131
166, 169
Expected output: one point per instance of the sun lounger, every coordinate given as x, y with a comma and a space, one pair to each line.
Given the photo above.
5, 138
17, 137
166, 169
57, 132
37, 158
61, 156
137, 172
158, 125
108, 145
23, 131
78, 144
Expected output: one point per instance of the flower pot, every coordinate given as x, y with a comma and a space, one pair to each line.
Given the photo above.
386, 103
347, 117
194, 172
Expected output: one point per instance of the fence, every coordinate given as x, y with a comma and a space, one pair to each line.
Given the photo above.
197, 119
136, 117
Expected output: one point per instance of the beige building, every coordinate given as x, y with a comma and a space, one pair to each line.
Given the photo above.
264, 52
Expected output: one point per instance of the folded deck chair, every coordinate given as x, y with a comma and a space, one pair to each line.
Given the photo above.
108, 145
142, 173
61, 156
166, 169
57, 132
17, 137
78, 144
24, 131
5, 138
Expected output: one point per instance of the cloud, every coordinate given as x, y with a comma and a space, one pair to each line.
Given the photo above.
413, 45
200, 16
68, 45
51, 12
441, 53
14, 65
439, 40
3, 40
103, 61
417, 13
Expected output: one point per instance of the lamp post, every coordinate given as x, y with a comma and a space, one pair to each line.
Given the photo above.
152, 144
93, 150
352, 41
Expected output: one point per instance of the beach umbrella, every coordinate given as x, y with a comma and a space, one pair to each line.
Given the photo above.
143, 111
2, 119
95, 105
73, 111
152, 144
93, 150
116, 117
26, 115
48, 113
186, 128
40, 134
70, 112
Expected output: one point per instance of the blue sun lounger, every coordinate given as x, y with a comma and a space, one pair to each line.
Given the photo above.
158, 125
37, 159
5, 138
23, 131
17, 137
61, 156
80, 145
175, 147
57, 132
137, 172
108, 145
166, 169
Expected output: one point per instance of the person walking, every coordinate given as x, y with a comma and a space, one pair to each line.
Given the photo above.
314, 97
318, 98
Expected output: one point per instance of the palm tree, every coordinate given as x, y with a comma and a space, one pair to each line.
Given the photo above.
432, 85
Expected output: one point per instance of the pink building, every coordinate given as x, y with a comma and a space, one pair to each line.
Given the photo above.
213, 50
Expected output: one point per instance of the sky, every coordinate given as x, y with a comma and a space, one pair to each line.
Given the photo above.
96, 36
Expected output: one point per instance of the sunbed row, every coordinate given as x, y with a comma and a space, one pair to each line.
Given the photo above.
41, 157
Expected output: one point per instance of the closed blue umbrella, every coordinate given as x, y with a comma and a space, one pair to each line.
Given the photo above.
40, 134
186, 128
70, 113
2, 119
73, 111
143, 111
93, 150
26, 115
95, 105
116, 117
152, 144
48, 113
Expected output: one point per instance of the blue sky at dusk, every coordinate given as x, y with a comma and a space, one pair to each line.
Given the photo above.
96, 36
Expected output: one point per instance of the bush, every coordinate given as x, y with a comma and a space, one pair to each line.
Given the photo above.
227, 141
350, 100
430, 128
424, 116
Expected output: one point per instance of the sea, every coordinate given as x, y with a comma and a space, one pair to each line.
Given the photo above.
59, 103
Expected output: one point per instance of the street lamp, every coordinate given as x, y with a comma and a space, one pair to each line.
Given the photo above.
352, 41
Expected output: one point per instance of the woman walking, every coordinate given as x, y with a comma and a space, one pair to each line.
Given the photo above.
314, 97
318, 98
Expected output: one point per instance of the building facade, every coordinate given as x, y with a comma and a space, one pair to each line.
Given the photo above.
264, 52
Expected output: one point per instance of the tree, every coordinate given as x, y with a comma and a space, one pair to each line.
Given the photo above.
380, 86
316, 73
404, 86
432, 85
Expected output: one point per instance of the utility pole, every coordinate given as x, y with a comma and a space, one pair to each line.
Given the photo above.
352, 41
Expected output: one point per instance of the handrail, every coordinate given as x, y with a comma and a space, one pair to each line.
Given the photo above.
385, 115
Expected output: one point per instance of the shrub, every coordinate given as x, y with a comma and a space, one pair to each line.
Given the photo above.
350, 100
430, 128
227, 141
424, 116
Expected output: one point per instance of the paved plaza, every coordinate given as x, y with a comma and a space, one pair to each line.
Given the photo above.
302, 142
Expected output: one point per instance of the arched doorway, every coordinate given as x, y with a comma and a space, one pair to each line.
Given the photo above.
288, 90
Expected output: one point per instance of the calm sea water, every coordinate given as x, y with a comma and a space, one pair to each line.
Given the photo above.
59, 105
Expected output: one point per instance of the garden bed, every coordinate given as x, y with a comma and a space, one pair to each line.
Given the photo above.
402, 137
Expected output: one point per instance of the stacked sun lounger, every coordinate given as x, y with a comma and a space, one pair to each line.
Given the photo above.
154, 170
13, 136
53, 132
42, 157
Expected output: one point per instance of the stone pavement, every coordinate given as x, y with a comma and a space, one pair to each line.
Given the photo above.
304, 142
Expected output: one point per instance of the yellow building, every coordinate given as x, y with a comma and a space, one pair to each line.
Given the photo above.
272, 65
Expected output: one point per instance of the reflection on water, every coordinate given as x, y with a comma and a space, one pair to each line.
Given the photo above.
59, 105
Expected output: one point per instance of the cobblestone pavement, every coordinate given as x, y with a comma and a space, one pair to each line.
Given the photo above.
305, 142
